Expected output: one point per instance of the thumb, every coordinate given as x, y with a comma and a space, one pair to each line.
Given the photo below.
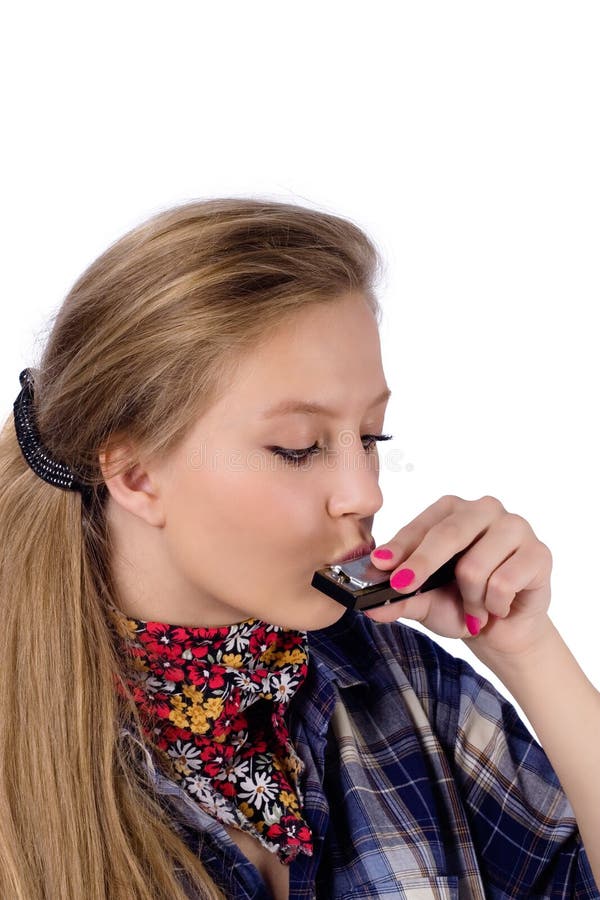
416, 608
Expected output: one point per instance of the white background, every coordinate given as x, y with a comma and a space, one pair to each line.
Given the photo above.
463, 137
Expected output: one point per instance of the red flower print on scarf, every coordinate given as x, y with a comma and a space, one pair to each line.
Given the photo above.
212, 702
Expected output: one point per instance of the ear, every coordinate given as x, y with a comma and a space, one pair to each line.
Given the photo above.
131, 483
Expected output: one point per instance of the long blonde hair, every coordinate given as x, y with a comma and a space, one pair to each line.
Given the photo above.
144, 343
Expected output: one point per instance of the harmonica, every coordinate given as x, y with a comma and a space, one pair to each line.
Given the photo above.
359, 585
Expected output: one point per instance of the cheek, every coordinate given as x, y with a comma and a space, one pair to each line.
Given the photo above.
265, 512
244, 520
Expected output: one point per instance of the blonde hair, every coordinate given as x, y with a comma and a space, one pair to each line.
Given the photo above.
145, 342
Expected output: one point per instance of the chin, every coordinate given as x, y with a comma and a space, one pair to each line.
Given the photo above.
314, 613
324, 621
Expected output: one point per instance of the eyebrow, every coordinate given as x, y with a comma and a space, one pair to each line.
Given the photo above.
285, 407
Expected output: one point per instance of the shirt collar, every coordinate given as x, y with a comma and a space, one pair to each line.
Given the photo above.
345, 650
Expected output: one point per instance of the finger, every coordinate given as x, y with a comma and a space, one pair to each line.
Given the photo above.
523, 580
411, 535
456, 532
474, 568
415, 608
440, 610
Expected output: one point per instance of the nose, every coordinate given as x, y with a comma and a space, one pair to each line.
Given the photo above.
353, 483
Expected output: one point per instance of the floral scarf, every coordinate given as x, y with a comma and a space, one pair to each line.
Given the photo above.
212, 702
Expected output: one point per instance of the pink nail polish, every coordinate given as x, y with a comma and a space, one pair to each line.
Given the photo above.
384, 553
402, 578
473, 624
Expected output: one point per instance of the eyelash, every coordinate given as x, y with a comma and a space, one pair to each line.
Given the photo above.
296, 457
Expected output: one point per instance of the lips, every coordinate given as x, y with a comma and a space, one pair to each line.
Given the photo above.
360, 550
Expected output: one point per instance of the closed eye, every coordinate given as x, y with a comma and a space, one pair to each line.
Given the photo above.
296, 457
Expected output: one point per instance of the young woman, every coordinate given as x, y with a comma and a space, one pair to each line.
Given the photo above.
181, 713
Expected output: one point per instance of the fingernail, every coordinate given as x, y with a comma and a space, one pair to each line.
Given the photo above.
384, 553
473, 624
402, 578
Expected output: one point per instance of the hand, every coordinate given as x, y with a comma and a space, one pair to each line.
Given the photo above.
503, 578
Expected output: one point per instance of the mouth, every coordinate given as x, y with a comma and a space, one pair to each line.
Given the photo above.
360, 550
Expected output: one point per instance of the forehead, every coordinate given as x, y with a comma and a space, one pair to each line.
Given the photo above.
317, 363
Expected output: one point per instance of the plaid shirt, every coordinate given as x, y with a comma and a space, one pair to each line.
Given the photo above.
421, 781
